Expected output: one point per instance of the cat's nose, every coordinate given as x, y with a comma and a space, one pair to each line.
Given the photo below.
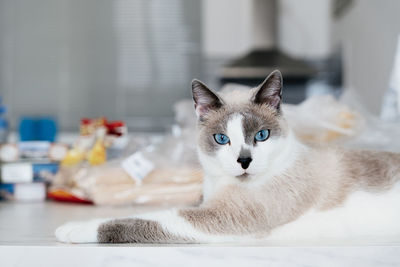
245, 162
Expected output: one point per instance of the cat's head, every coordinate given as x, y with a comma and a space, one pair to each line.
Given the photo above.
241, 133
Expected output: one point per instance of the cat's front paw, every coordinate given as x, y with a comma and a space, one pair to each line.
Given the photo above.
78, 232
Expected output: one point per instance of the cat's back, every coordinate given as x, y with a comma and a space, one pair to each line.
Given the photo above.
338, 172
362, 216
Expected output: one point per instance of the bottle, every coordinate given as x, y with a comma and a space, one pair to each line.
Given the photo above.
3, 124
391, 100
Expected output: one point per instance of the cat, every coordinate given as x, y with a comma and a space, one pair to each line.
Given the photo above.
260, 180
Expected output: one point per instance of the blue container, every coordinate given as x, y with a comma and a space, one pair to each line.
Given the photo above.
47, 129
38, 129
3, 130
27, 129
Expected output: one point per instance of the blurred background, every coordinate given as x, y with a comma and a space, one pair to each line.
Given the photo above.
95, 94
133, 59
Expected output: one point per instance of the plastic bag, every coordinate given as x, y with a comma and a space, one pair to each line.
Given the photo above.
109, 184
174, 178
323, 119
376, 134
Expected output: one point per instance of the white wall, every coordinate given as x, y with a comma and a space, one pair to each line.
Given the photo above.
73, 59
304, 28
300, 28
232, 27
368, 34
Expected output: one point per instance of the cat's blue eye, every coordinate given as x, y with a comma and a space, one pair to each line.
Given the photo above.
221, 139
261, 135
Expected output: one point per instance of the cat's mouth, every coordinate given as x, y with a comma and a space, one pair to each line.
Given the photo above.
243, 176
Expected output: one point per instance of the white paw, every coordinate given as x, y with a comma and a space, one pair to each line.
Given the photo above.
79, 232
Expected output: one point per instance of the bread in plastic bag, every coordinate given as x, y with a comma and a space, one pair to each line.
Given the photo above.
323, 119
175, 180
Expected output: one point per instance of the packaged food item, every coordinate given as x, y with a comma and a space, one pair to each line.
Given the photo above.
180, 186
30, 192
116, 139
16, 173
66, 195
152, 171
44, 171
323, 119
27, 172
38, 129
57, 152
9, 153
99, 140
23, 191
97, 155
32, 151
64, 186
110, 184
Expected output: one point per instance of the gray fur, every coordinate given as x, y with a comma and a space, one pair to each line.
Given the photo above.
270, 91
260, 112
255, 118
245, 153
231, 213
136, 231
204, 98
212, 123
258, 118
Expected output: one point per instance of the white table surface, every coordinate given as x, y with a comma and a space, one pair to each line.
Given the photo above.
27, 239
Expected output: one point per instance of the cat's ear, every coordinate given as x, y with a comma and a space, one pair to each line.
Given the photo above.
204, 98
269, 92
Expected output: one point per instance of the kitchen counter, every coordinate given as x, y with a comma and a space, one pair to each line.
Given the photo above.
27, 239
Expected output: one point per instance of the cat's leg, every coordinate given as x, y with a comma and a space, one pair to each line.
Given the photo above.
156, 227
196, 225
79, 231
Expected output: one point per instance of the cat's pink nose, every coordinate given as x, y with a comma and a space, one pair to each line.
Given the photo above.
245, 162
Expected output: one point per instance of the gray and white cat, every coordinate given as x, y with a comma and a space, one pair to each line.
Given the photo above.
262, 182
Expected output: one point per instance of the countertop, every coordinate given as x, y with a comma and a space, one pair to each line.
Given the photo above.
27, 239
